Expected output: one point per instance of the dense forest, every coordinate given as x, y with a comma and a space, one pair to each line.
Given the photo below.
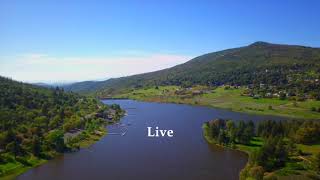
37, 123
264, 67
273, 146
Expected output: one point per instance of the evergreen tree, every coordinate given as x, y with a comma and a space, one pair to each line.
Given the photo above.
317, 162
36, 146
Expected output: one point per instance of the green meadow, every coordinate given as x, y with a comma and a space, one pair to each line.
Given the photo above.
231, 99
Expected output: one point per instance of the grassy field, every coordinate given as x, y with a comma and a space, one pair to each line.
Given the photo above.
228, 99
298, 167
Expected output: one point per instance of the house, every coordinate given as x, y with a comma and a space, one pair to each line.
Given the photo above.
276, 95
196, 92
256, 96
269, 95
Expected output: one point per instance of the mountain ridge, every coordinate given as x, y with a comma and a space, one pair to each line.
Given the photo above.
237, 66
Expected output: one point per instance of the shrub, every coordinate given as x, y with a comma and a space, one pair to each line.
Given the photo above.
317, 162
23, 161
256, 172
252, 172
244, 173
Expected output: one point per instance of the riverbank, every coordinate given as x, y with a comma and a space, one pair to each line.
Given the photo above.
37, 124
15, 168
19, 166
226, 98
93, 138
298, 166
73, 142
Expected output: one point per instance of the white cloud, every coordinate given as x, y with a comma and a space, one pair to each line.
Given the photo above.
36, 67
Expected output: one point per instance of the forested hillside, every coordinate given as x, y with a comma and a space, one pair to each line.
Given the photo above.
34, 122
295, 69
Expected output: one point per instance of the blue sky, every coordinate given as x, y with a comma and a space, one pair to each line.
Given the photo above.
82, 40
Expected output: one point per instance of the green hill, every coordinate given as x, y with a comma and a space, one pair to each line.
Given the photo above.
35, 123
284, 67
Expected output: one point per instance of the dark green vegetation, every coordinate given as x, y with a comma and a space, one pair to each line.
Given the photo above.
38, 123
277, 149
267, 69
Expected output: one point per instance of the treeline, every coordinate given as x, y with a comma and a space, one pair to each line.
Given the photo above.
34, 120
279, 142
229, 133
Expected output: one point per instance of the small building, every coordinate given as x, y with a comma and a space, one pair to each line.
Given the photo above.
196, 92
256, 96
269, 95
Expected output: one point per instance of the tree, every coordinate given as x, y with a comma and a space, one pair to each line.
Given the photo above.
231, 129
273, 154
41, 121
307, 135
32, 118
3, 139
54, 122
240, 129
250, 128
36, 146
230, 125
215, 131
56, 140
223, 139
280, 154
317, 162
292, 147
68, 126
245, 132
45, 109
15, 146
256, 172
246, 136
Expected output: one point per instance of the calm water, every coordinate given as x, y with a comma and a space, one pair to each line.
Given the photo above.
136, 156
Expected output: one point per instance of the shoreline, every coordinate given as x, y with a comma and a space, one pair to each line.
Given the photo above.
18, 171
231, 99
280, 173
84, 144
214, 107
92, 137
113, 98
211, 142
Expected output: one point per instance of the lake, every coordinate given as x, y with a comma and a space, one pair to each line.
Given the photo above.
127, 153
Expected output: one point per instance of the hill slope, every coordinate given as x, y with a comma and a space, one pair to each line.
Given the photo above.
284, 66
35, 123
